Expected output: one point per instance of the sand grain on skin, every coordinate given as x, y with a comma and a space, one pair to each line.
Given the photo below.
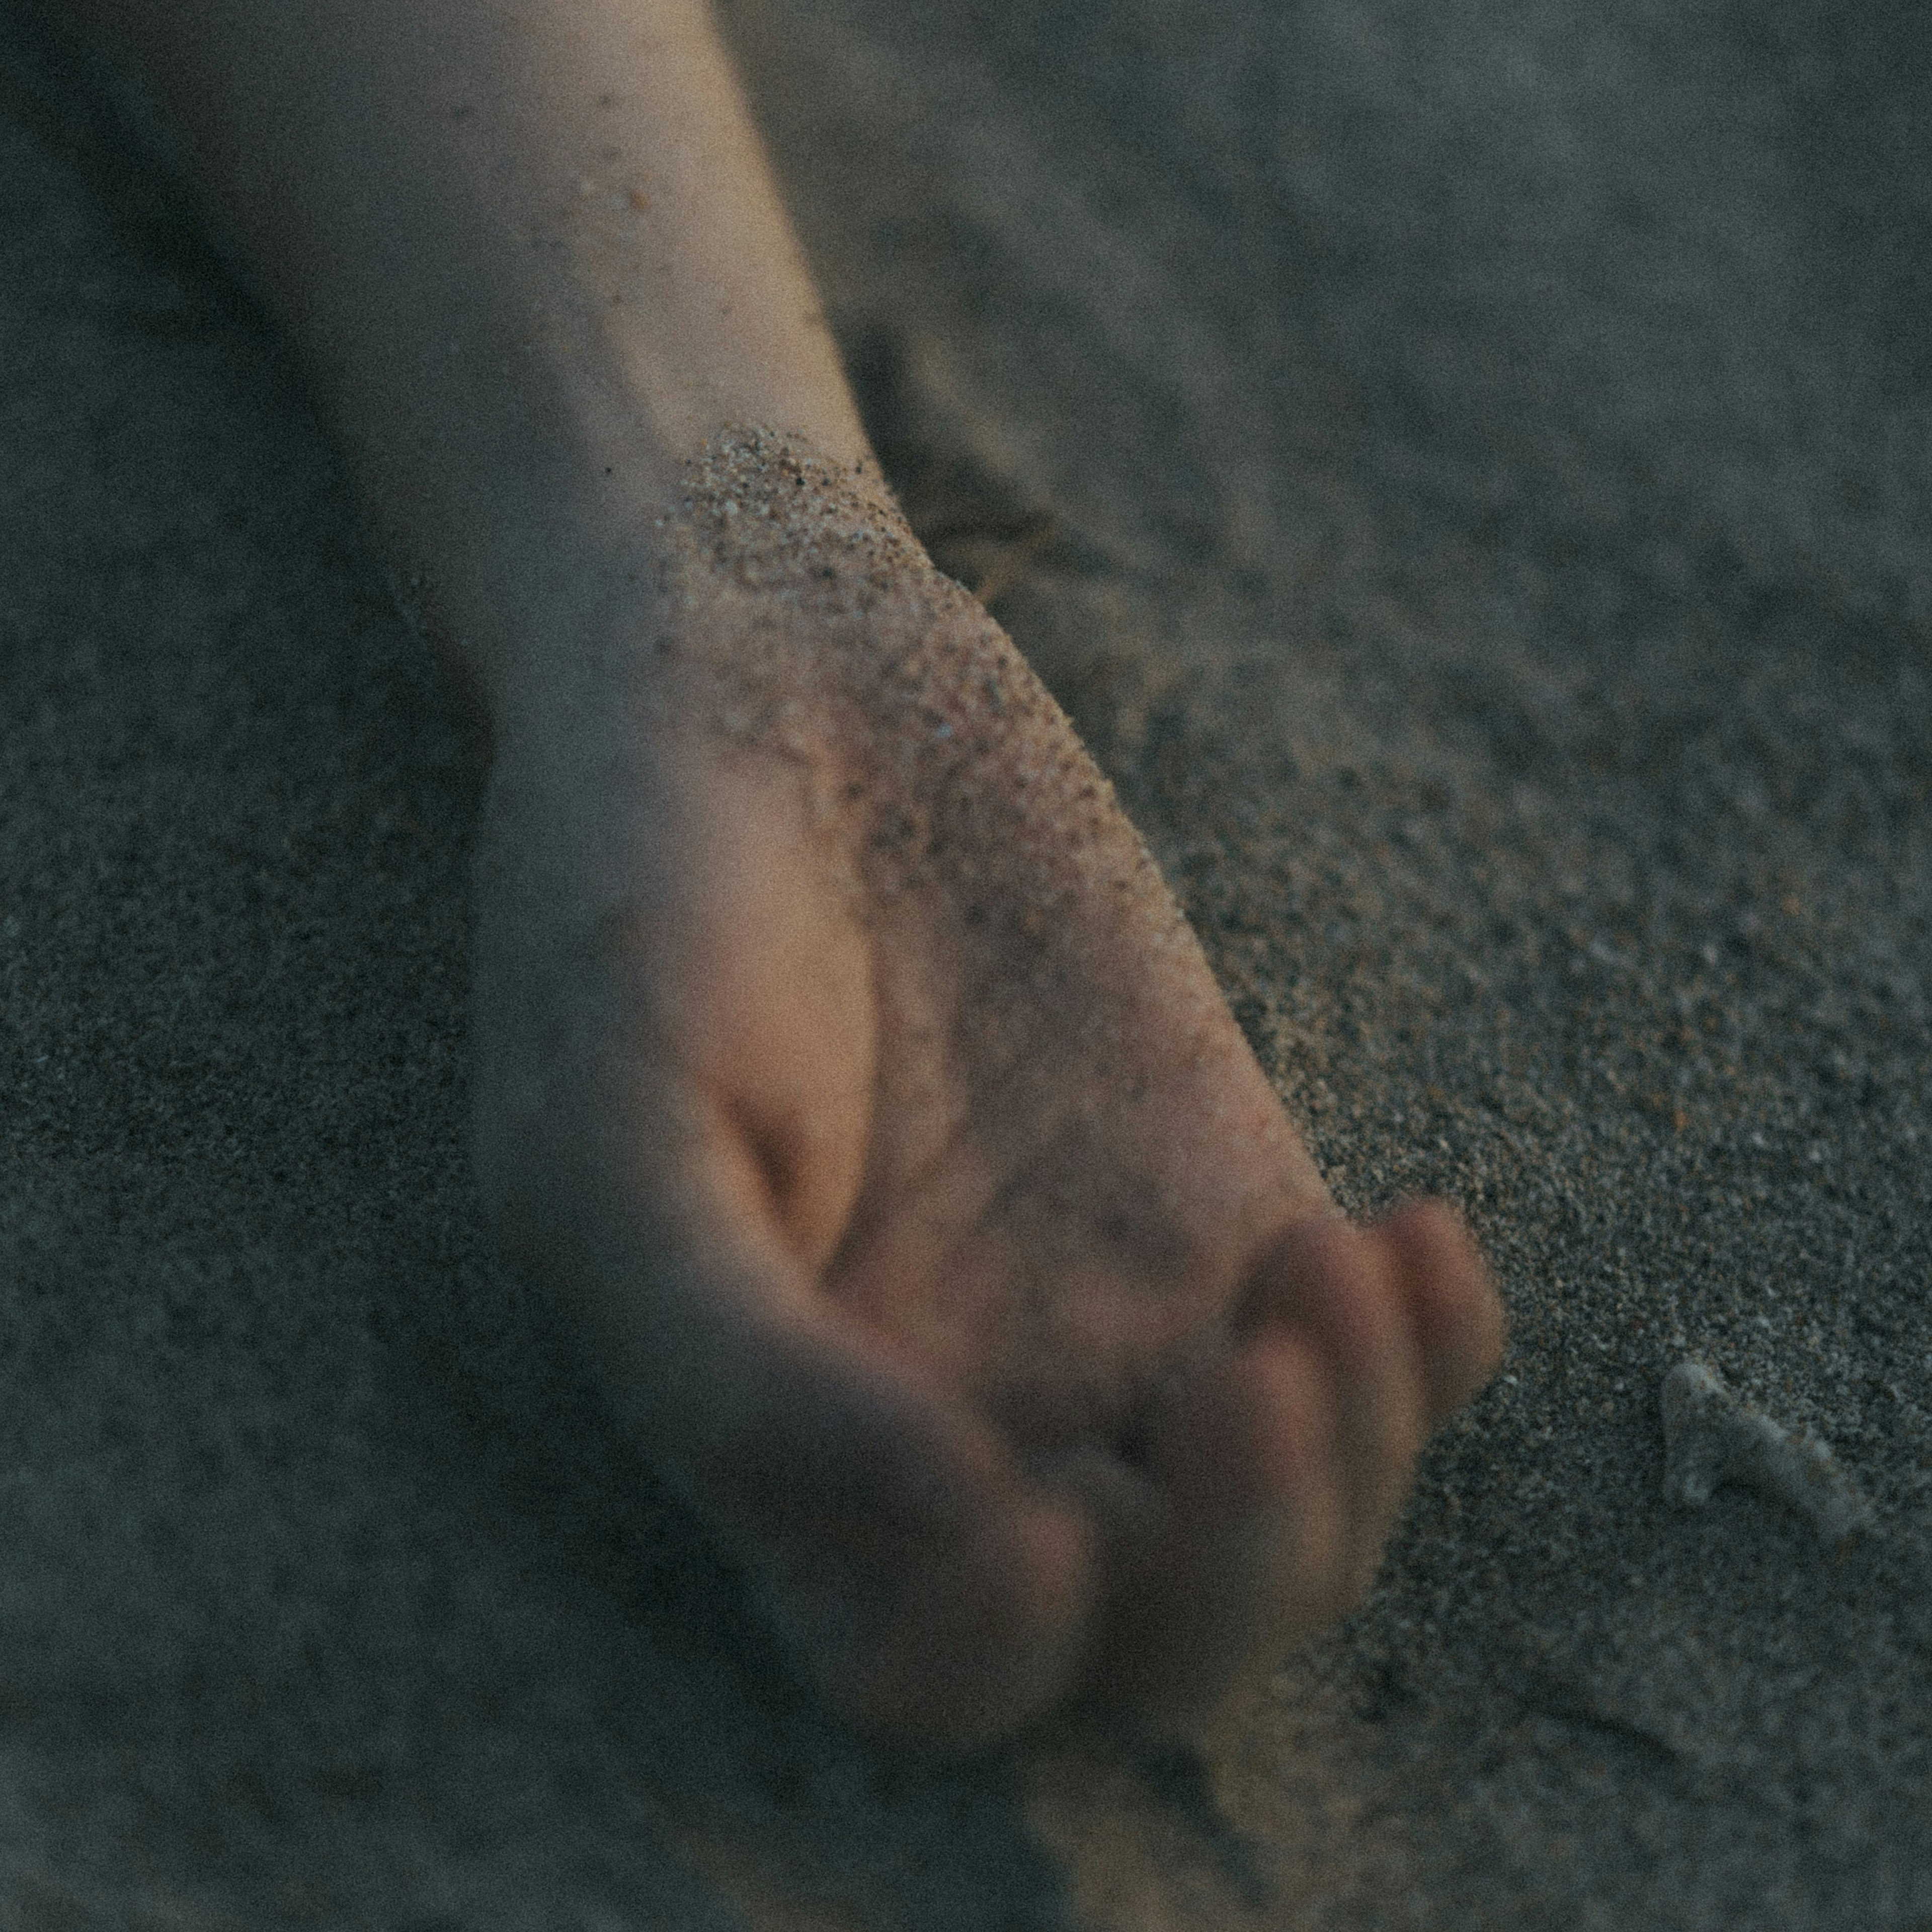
987, 856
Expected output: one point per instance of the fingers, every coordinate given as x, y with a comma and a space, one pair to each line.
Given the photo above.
1338, 1287
1457, 1315
1240, 1559
1285, 1462
1339, 1278
927, 1589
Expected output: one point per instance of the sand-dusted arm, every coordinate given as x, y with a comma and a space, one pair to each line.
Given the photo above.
524, 245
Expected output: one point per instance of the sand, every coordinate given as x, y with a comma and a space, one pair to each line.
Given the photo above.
1468, 472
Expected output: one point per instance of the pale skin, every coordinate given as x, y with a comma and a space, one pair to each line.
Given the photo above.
843, 1065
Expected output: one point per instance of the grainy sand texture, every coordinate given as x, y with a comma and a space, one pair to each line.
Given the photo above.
1467, 471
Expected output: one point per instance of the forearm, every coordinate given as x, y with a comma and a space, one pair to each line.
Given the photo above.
531, 253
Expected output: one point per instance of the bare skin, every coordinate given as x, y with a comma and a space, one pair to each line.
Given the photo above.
843, 1062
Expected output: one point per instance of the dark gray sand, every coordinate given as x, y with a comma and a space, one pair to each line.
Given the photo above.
1469, 470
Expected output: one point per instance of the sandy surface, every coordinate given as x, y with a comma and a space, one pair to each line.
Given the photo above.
1468, 471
